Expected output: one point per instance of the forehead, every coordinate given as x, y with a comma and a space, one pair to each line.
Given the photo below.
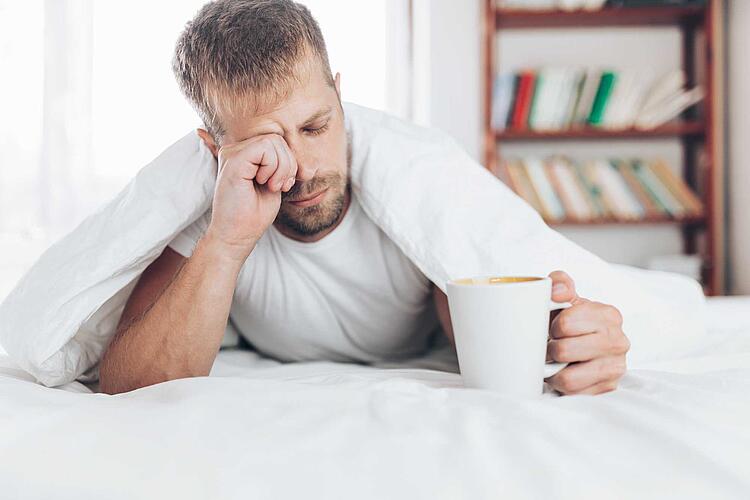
307, 97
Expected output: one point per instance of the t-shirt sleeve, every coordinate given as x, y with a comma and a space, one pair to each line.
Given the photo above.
185, 241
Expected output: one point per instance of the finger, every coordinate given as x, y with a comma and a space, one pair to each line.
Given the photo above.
278, 180
600, 388
585, 317
580, 348
267, 160
579, 376
563, 287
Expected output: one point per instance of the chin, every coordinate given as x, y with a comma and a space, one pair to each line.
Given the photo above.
309, 221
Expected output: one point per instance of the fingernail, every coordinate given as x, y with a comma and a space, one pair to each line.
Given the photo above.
559, 288
289, 183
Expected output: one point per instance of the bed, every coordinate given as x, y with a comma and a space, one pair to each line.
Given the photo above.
255, 428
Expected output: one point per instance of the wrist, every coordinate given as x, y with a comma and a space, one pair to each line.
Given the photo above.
233, 253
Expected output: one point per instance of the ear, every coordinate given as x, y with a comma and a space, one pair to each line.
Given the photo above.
337, 84
209, 141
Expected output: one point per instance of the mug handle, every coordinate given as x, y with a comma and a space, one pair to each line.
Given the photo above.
552, 368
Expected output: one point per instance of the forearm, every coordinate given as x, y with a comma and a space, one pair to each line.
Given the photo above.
180, 335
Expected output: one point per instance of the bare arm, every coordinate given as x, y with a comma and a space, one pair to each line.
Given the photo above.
175, 318
173, 322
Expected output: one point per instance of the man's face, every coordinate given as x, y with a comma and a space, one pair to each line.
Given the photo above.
311, 121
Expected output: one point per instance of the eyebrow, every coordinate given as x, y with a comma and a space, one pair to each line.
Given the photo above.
317, 115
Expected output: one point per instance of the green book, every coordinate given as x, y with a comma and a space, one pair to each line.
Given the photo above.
643, 178
606, 84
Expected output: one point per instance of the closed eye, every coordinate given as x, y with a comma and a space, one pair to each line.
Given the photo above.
316, 131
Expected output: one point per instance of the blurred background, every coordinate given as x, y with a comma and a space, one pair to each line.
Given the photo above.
622, 122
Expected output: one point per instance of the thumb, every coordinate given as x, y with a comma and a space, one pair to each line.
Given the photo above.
563, 287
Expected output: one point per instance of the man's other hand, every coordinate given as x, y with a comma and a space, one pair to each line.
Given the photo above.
589, 336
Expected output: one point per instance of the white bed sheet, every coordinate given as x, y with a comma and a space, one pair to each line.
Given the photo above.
259, 429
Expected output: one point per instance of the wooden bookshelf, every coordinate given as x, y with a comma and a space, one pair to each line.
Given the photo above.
631, 16
700, 219
686, 128
700, 136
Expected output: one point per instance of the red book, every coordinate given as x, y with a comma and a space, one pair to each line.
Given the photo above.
523, 100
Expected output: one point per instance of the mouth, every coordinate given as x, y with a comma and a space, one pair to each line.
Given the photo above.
309, 201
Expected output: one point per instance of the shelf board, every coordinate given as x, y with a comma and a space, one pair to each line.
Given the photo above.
608, 16
676, 129
698, 219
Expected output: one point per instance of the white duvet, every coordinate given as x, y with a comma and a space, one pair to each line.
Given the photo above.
677, 428
448, 215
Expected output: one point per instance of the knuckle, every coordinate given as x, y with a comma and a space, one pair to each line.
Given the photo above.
613, 314
624, 344
564, 321
564, 382
560, 351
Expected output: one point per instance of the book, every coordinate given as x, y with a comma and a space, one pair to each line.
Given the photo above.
565, 184
588, 94
591, 193
678, 187
523, 100
551, 204
606, 84
626, 204
658, 191
522, 185
651, 208
502, 99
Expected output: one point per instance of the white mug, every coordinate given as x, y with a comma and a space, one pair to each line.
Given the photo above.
501, 326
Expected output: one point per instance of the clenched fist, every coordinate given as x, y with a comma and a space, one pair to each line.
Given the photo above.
251, 177
589, 336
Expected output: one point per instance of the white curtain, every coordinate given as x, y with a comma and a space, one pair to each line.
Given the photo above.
88, 98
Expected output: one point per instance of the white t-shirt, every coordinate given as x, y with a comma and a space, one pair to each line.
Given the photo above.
350, 296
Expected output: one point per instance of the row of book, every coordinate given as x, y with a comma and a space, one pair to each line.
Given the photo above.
607, 189
559, 98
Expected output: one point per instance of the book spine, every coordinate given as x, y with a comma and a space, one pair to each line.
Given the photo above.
651, 208
602, 97
552, 205
678, 187
554, 180
568, 186
522, 186
590, 188
658, 191
520, 113
513, 100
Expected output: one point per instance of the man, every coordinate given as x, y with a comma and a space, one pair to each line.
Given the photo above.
285, 252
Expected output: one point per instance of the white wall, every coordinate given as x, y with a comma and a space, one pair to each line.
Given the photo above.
739, 145
449, 95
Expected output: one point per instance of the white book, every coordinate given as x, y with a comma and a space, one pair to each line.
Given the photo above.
611, 183
670, 109
569, 187
502, 98
663, 89
612, 112
547, 97
634, 100
631, 199
535, 169
567, 91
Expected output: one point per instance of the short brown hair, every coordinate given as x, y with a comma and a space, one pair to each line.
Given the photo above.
234, 52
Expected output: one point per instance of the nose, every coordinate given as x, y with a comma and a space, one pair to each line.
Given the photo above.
306, 166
